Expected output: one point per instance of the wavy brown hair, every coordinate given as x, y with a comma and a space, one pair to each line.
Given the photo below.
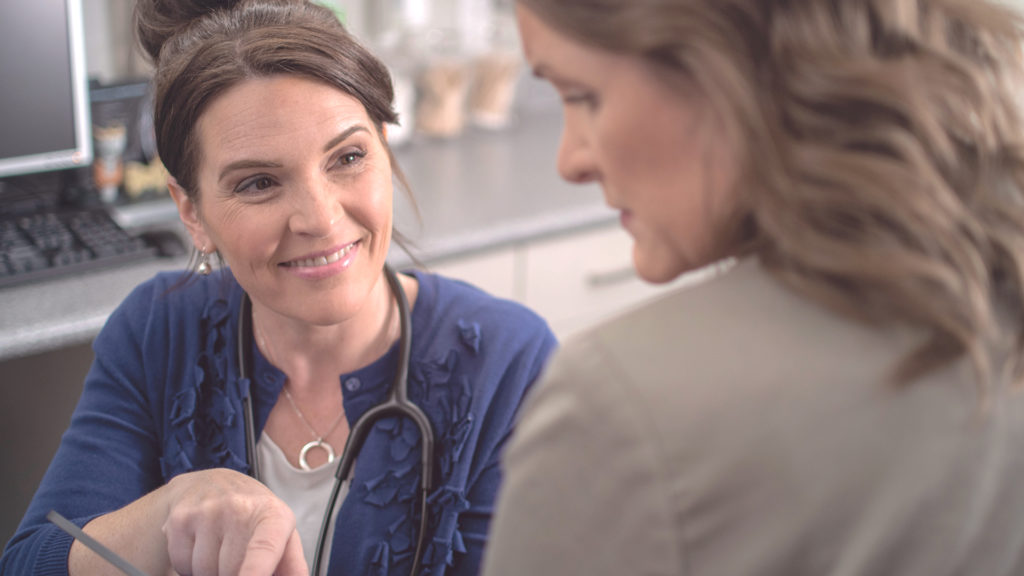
880, 145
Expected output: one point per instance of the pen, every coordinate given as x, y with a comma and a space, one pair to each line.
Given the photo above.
93, 544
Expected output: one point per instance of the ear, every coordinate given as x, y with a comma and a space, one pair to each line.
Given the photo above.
189, 213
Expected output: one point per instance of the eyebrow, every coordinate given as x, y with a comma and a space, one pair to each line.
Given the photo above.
345, 135
544, 72
249, 164
245, 165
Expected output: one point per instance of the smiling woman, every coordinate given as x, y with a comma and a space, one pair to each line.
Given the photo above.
299, 203
270, 118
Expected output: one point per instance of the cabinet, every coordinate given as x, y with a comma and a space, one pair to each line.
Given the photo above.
494, 271
39, 394
573, 280
578, 279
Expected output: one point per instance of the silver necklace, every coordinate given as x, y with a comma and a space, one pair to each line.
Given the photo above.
318, 442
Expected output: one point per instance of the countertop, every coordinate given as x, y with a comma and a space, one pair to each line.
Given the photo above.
479, 191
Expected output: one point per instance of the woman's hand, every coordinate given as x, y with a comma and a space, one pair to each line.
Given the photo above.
209, 523
222, 522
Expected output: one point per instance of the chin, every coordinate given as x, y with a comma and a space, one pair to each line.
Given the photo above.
655, 277
657, 270
656, 274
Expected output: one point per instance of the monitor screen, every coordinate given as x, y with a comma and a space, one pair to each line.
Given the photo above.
44, 111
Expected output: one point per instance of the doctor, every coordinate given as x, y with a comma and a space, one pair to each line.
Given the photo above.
270, 119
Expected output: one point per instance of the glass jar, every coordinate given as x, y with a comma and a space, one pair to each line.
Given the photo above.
496, 73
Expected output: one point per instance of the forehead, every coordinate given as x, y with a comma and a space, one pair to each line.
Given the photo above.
557, 56
539, 39
266, 116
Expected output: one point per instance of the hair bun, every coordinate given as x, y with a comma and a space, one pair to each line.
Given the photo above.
156, 21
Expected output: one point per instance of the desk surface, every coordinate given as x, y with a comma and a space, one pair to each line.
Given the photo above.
480, 191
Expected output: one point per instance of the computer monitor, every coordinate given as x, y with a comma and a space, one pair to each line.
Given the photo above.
44, 101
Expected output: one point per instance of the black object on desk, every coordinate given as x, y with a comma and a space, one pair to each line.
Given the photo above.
167, 243
52, 225
53, 243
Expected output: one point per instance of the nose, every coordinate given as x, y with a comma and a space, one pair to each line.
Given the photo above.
575, 156
316, 208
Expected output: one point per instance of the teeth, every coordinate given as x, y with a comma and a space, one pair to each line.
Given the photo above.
321, 260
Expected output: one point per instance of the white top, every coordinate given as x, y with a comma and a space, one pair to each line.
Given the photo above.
305, 492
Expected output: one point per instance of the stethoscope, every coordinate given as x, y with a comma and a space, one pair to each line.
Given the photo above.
396, 404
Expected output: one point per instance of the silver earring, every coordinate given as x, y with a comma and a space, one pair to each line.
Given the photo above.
204, 268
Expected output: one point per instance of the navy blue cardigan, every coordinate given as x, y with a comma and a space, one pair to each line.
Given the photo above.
163, 397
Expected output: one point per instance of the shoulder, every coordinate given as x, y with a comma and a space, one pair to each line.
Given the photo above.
583, 410
699, 361
171, 298
745, 313
478, 345
458, 303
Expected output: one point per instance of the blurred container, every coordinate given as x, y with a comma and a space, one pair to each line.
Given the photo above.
496, 74
442, 83
397, 55
404, 81
108, 166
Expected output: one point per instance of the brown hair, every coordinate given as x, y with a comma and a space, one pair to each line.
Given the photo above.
880, 142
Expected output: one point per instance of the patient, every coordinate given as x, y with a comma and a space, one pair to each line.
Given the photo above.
846, 399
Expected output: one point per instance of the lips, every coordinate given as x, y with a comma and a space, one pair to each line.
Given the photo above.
323, 260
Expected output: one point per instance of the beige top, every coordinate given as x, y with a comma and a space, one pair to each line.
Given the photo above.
735, 429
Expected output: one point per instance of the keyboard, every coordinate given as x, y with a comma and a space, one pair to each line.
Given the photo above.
51, 243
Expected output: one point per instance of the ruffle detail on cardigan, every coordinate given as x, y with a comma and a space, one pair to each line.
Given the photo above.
429, 376
469, 333
398, 484
203, 413
398, 548
438, 384
404, 436
446, 504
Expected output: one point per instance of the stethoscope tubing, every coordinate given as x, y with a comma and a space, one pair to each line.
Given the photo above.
397, 404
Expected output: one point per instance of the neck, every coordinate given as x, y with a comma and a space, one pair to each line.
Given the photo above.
310, 354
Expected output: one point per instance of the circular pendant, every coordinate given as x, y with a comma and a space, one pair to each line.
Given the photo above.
311, 445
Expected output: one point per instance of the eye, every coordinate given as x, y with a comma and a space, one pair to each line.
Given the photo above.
256, 184
580, 99
351, 157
